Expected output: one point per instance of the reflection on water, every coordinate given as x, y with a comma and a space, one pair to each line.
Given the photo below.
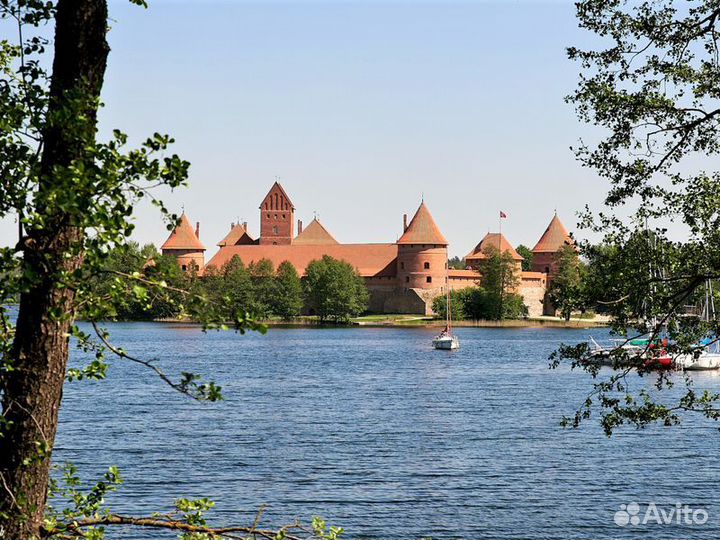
377, 432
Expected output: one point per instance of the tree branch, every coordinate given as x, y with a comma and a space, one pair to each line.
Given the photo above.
158, 523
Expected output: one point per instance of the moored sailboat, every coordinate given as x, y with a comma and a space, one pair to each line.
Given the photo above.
446, 340
706, 357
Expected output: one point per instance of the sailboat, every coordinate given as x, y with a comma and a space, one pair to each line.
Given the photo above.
703, 358
446, 340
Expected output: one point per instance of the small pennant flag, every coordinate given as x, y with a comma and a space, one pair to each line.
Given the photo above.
503, 215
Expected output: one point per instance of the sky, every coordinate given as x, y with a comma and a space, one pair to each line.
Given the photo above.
362, 109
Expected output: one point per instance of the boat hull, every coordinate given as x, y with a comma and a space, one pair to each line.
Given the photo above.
706, 361
446, 343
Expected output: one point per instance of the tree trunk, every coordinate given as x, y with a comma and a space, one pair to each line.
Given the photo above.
32, 389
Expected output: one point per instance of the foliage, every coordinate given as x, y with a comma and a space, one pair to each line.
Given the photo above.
85, 514
457, 305
334, 290
262, 276
256, 291
287, 299
477, 303
653, 89
73, 198
145, 303
566, 289
500, 279
456, 263
527, 256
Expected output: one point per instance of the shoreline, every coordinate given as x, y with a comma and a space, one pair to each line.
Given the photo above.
420, 322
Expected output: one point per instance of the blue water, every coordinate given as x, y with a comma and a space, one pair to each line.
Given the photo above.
380, 434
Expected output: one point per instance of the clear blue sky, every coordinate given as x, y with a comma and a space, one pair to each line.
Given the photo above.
360, 108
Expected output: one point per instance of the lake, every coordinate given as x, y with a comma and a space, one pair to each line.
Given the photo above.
376, 432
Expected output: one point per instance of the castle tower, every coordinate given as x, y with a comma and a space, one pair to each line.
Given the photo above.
422, 253
496, 241
554, 238
276, 217
184, 244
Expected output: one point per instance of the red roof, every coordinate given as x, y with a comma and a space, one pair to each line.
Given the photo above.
314, 235
238, 235
368, 259
554, 237
493, 240
422, 229
183, 237
458, 273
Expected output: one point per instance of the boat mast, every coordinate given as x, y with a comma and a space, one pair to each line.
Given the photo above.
448, 318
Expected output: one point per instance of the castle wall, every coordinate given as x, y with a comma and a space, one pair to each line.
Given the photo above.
533, 288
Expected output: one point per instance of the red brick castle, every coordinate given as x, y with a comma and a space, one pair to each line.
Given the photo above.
402, 277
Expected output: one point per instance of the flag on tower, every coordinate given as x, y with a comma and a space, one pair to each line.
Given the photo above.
503, 215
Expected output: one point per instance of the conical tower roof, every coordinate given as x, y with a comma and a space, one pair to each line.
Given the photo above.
183, 237
554, 237
238, 235
314, 235
422, 229
493, 240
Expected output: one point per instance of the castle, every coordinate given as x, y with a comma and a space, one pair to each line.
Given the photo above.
402, 277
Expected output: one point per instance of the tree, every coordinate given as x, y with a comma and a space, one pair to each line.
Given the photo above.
72, 197
288, 299
499, 281
457, 305
334, 290
262, 275
457, 263
235, 286
654, 91
566, 288
148, 264
527, 256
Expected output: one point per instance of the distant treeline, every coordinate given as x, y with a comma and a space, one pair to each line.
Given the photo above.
331, 289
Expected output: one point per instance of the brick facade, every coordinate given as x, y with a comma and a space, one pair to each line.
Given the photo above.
277, 218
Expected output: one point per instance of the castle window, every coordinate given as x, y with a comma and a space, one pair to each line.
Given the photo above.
274, 243
275, 216
275, 229
402, 266
547, 269
428, 279
184, 268
407, 279
427, 266
268, 216
283, 216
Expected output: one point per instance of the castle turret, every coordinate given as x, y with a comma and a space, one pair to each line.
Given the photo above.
422, 253
554, 238
184, 244
492, 241
277, 222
